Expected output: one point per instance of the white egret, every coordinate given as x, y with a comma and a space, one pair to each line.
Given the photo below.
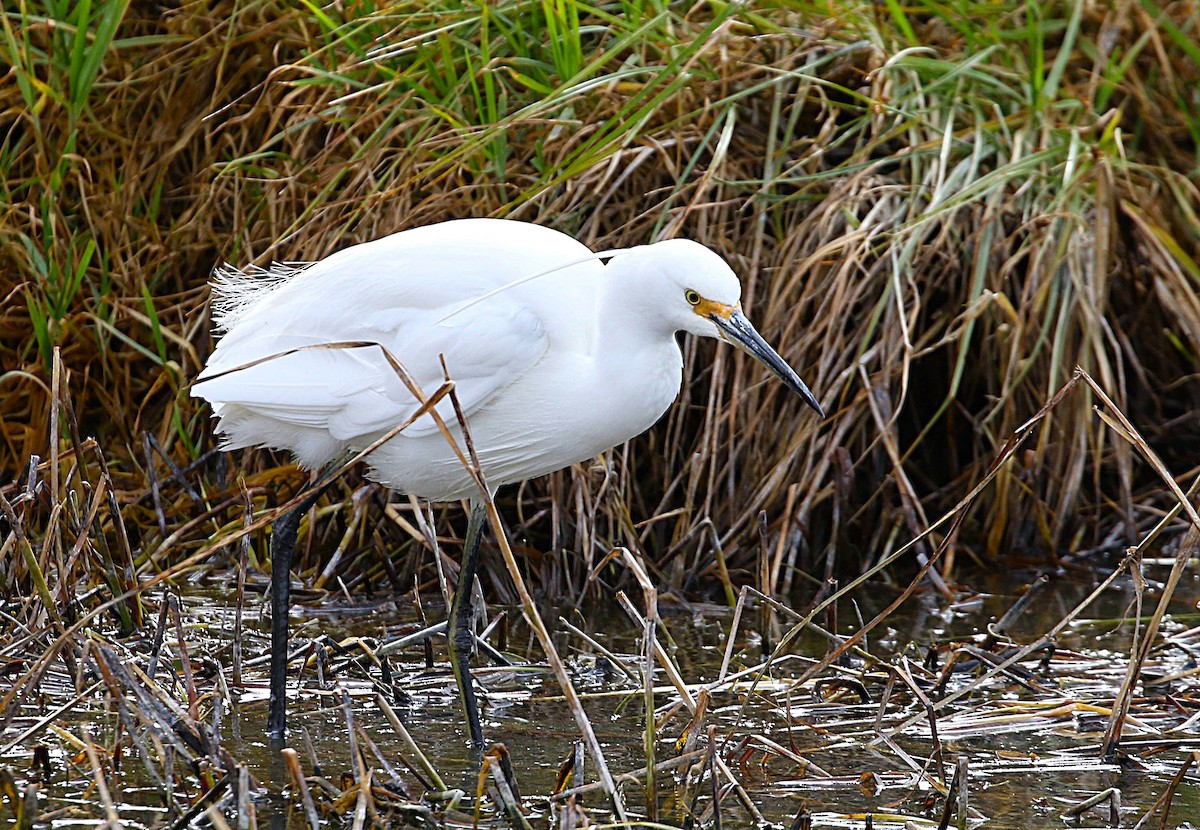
555, 357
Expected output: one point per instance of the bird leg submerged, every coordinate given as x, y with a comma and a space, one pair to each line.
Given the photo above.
459, 636
283, 546
459, 633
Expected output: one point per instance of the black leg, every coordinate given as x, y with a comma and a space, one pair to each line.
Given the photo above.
459, 636
283, 545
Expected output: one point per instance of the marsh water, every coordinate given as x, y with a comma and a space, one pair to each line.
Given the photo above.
1032, 740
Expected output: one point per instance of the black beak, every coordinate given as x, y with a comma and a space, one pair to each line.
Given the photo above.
739, 331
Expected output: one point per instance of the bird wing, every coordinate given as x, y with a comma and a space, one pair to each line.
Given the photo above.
439, 290
353, 393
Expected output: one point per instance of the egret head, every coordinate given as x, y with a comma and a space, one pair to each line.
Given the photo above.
694, 290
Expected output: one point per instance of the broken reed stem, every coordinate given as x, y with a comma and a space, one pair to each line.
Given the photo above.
649, 646
765, 587
964, 789
957, 795
497, 765
393, 776
201, 804
112, 817
733, 629
155, 489
160, 630
244, 807
55, 393
1000, 628
422, 762
292, 761
185, 662
1187, 548
213, 814
926, 704
311, 750
634, 776
358, 765
1109, 795
30, 560
359, 502
616, 662
1164, 800
664, 659
240, 598
364, 799
712, 777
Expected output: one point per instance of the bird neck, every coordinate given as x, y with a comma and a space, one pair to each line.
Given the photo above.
633, 340
628, 313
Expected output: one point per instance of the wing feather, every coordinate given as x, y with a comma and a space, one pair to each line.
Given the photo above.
396, 291
354, 393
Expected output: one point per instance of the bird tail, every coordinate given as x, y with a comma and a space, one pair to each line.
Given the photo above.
235, 291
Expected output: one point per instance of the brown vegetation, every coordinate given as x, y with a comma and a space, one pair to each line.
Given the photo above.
936, 222
939, 211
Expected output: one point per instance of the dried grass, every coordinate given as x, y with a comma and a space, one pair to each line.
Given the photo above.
935, 220
936, 244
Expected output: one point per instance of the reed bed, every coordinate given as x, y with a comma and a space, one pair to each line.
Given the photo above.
972, 225
1050, 709
937, 220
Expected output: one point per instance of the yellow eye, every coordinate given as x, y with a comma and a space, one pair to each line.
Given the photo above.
692, 297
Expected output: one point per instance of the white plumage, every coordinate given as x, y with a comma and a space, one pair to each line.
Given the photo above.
549, 371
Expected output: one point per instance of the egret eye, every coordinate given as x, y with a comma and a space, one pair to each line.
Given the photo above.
692, 297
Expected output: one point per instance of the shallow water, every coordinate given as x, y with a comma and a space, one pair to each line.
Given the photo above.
1032, 749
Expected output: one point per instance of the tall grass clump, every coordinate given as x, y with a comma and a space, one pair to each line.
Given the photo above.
938, 210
